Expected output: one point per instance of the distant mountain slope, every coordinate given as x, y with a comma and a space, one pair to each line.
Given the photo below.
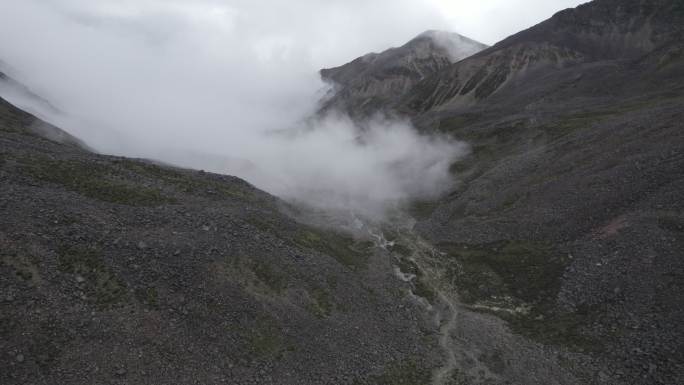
599, 32
422, 76
8, 85
20, 121
607, 29
375, 80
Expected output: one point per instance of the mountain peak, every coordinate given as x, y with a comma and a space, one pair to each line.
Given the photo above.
455, 46
374, 79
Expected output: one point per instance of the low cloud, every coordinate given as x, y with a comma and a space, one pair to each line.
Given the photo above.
227, 86
333, 163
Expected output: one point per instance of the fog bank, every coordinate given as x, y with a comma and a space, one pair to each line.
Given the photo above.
225, 86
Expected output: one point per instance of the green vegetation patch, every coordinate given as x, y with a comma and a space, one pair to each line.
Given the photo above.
265, 339
459, 124
671, 223
572, 122
422, 210
525, 270
25, 267
99, 282
423, 289
528, 272
343, 248
678, 8
269, 276
401, 250
559, 328
403, 373
186, 182
321, 302
93, 180
266, 343
8, 122
149, 296
256, 274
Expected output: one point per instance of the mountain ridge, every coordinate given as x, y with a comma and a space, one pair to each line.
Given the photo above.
571, 37
374, 80
597, 32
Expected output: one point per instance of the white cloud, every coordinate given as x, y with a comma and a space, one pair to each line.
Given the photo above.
490, 21
205, 82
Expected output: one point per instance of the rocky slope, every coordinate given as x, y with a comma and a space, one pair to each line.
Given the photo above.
556, 260
123, 271
115, 270
373, 81
568, 220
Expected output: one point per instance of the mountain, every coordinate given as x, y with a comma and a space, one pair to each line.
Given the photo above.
570, 206
374, 80
116, 270
595, 37
556, 259
18, 120
644, 35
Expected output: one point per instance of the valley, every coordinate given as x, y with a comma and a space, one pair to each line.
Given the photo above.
555, 257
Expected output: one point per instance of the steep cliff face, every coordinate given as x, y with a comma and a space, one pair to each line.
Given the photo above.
373, 81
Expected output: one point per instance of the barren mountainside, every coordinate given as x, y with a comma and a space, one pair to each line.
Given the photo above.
570, 205
125, 271
598, 34
556, 259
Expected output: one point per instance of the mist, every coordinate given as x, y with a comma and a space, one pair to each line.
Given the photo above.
228, 87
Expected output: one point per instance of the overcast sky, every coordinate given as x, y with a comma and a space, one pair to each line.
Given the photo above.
326, 31
160, 78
